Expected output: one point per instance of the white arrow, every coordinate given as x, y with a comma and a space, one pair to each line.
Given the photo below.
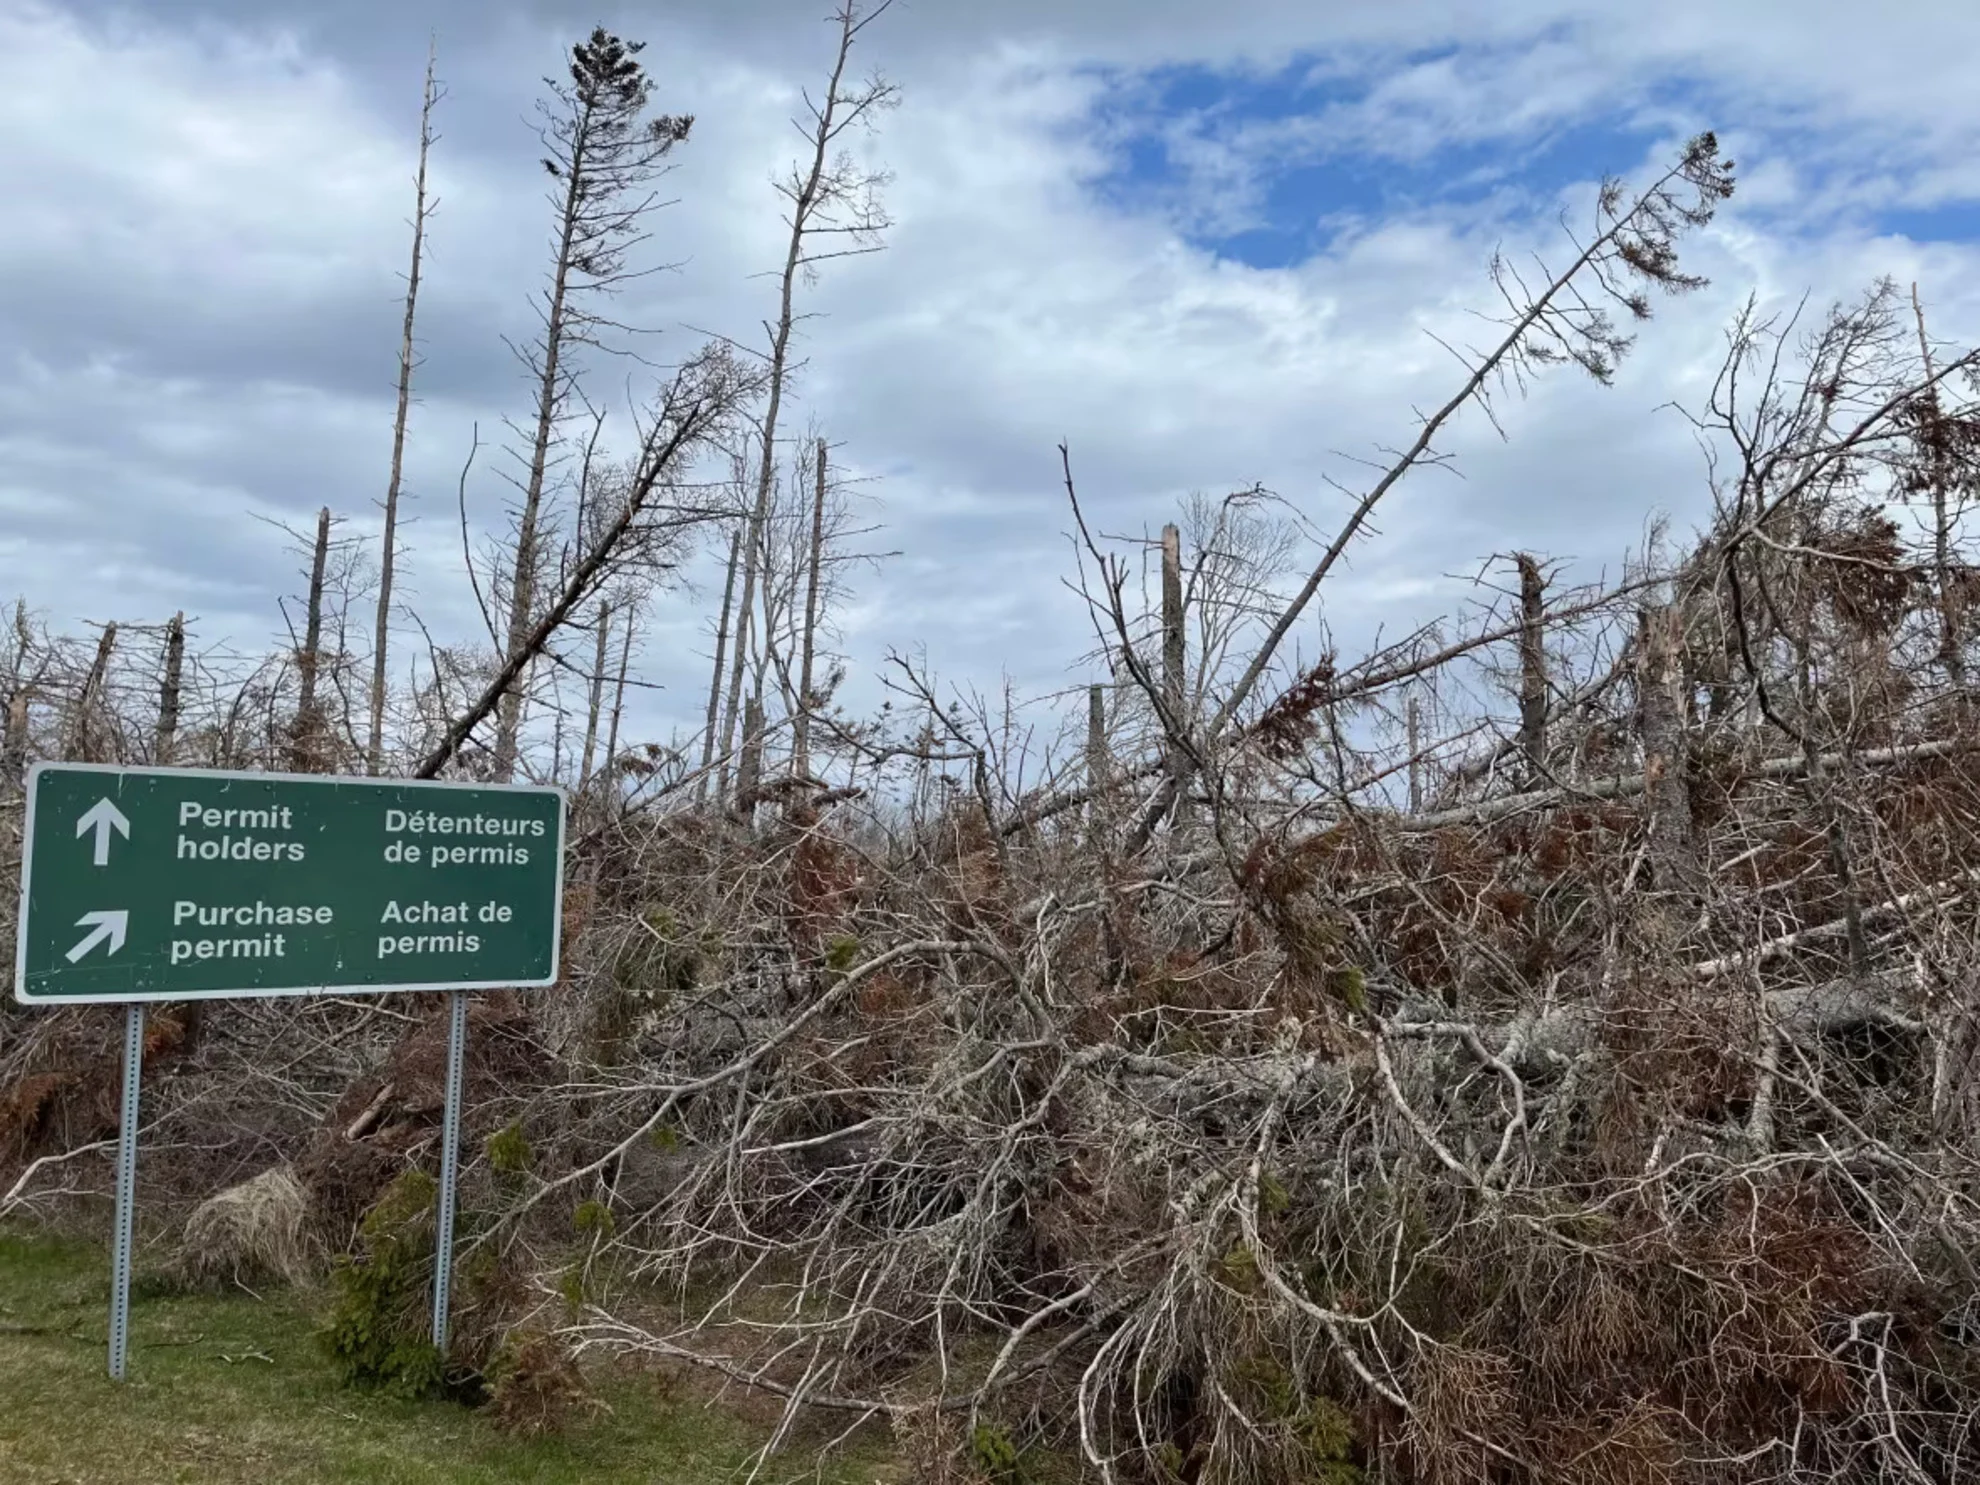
103, 817
108, 925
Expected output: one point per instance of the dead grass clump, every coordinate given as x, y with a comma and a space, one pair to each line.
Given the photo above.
251, 1233
538, 1388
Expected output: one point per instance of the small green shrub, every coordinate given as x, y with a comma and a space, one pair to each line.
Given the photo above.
1268, 1386
1350, 987
594, 1217
570, 1284
1273, 1198
992, 1452
1329, 1436
841, 952
377, 1329
1238, 1268
509, 1150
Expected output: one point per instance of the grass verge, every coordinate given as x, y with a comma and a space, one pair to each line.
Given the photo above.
229, 1388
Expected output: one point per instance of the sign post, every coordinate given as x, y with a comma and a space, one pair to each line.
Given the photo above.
120, 1246
151, 884
450, 1145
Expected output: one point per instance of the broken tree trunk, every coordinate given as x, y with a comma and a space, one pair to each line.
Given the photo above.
86, 740
1174, 659
749, 769
597, 697
306, 738
801, 723
752, 557
168, 690
1096, 762
605, 765
20, 691
1952, 653
15, 746
715, 680
1413, 741
1532, 669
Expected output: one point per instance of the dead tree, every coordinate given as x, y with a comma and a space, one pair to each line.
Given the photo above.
388, 553
1097, 769
698, 407
826, 197
1175, 680
1532, 668
1937, 439
307, 731
813, 567
90, 732
603, 151
20, 695
608, 763
1634, 248
596, 694
749, 770
721, 653
169, 692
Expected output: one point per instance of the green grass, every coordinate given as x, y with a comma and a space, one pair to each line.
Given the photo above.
229, 1388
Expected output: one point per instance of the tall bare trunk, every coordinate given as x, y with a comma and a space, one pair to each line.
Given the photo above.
749, 768
168, 690
1952, 652
597, 697
715, 677
618, 701
1532, 668
549, 401
801, 724
1174, 664
387, 552
804, 200
20, 691
557, 724
306, 739
1413, 741
754, 534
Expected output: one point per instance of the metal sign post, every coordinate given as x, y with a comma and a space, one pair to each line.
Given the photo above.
127, 1131
450, 1142
142, 884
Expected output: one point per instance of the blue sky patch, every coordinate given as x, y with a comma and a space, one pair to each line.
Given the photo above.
1256, 167
1952, 221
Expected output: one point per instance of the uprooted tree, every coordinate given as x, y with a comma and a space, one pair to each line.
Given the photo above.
1537, 1049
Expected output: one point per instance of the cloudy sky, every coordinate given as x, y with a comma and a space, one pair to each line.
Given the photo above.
1201, 243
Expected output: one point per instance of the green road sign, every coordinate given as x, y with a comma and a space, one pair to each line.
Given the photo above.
183, 884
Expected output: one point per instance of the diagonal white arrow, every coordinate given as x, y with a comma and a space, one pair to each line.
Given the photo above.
107, 925
103, 817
